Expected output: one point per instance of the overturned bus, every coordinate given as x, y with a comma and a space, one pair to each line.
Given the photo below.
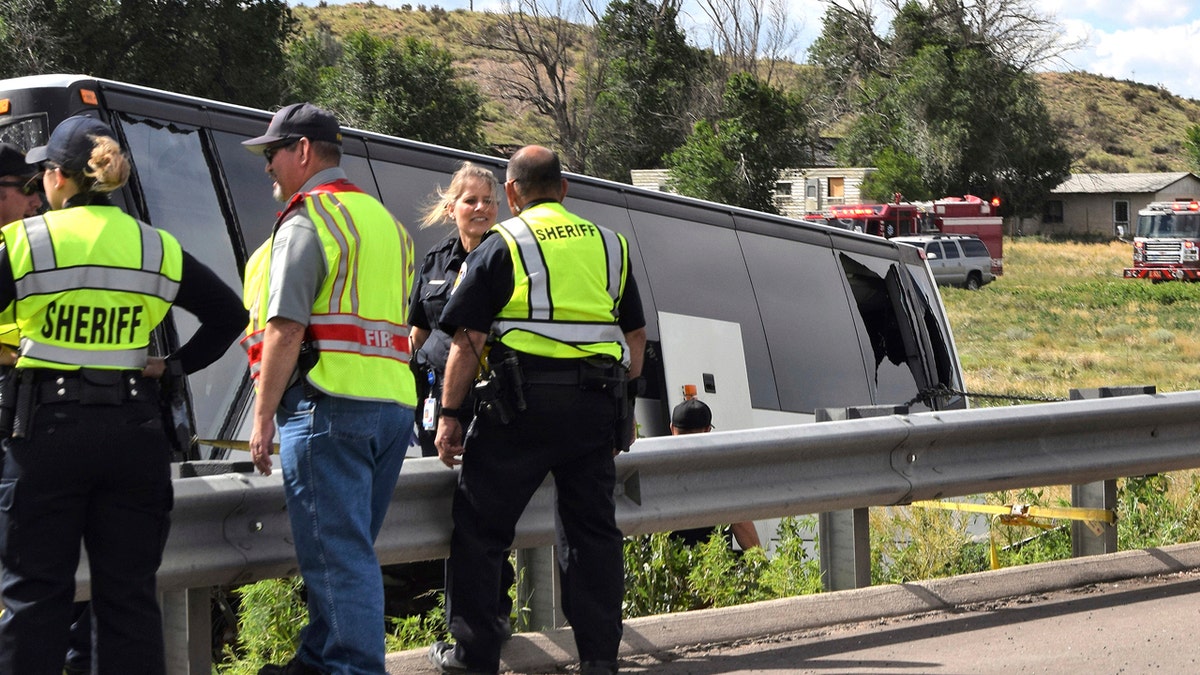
770, 318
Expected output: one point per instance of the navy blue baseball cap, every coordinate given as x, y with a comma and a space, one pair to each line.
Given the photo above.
70, 145
296, 121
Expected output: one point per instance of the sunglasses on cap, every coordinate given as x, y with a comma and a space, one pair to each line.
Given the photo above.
26, 187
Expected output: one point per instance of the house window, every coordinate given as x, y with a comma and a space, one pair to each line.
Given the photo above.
1053, 211
1121, 212
837, 187
783, 189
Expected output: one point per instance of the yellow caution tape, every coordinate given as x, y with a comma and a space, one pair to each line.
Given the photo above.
1021, 515
231, 445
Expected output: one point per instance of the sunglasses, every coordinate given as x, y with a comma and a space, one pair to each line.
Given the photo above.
271, 151
27, 187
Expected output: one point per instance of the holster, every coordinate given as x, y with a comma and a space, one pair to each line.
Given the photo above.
306, 361
8, 400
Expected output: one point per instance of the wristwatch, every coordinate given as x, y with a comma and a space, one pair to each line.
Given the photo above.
451, 412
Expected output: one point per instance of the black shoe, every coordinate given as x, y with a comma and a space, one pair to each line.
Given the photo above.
293, 667
598, 668
441, 655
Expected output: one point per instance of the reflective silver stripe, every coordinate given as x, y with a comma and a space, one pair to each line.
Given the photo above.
565, 332
343, 272
359, 348
152, 249
360, 322
390, 341
614, 256
535, 267
41, 248
106, 278
118, 358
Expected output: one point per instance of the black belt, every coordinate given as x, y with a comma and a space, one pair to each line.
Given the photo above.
563, 377
72, 386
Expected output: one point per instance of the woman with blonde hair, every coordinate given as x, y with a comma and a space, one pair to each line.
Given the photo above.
470, 204
86, 457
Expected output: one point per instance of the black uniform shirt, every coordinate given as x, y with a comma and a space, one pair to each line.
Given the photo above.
430, 293
487, 286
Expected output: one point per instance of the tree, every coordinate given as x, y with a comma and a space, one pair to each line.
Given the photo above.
230, 50
643, 108
408, 88
545, 47
1191, 145
736, 157
938, 91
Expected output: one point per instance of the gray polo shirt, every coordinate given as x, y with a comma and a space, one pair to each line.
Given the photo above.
298, 260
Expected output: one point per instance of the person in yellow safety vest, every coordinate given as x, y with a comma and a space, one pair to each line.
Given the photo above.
555, 294
20, 197
86, 456
328, 347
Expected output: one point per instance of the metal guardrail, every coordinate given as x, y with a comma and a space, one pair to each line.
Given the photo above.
233, 528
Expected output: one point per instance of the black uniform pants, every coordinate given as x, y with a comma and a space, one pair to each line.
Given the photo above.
567, 432
100, 474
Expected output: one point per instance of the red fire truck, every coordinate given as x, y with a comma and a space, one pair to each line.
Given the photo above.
1166, 243
950, 215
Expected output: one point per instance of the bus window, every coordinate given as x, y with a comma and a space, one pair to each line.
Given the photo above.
894, 350
181, 198
815, 350
25, 132
250, 187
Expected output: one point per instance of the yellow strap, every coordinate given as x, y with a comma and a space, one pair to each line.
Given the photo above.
1021, 514
232, 445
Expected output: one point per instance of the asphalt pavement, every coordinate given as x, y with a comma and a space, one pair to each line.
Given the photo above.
1128, 612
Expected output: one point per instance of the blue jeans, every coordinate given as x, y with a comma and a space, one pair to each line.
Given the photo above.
341, 459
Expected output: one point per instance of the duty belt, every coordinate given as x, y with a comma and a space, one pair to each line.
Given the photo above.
94, 387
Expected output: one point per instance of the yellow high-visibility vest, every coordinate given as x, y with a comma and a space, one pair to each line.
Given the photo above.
358, 317
568, 277
92, 284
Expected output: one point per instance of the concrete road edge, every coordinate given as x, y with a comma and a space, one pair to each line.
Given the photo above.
651, 634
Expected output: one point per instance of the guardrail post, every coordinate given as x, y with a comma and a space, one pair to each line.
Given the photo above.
1101, 494
187, 631
844, 537
538, 590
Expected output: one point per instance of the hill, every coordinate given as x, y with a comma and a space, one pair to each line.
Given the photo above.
1109, 125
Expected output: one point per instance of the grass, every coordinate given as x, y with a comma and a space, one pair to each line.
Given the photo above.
1063, 317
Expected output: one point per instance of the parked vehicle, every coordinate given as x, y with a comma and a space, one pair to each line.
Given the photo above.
949, 215
955, 259
1166, 243
770, 317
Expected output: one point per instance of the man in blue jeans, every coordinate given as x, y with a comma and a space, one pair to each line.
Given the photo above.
328, 295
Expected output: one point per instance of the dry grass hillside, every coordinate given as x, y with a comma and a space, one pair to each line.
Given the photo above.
1110, 126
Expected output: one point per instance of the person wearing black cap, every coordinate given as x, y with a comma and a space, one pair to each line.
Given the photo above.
328, 347
20, 194
552, 297
693, 416
86, 456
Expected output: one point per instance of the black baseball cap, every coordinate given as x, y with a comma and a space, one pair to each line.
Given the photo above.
70, 145
12, 162
691, 414
296, 121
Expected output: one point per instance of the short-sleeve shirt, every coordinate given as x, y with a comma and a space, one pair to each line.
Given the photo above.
298, 264
486, 285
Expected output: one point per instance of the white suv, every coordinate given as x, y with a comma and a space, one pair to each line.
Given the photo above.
955, 259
